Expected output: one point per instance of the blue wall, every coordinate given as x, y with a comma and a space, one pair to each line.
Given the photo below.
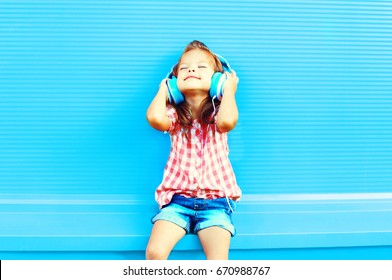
76, 78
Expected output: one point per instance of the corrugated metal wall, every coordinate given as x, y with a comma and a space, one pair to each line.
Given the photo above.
76, 78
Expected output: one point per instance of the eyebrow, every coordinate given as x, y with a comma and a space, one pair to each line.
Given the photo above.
199, 62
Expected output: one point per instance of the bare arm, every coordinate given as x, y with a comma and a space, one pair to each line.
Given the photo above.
228, 111
157, 113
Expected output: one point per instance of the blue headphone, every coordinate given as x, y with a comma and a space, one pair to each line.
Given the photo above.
217, 83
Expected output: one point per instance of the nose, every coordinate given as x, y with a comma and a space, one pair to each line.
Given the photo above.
191, 68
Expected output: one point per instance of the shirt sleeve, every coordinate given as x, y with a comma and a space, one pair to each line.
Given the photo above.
172, 114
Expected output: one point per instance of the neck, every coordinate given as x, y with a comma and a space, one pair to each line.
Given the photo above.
195, 104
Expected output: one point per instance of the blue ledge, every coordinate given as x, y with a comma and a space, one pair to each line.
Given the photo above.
121, 223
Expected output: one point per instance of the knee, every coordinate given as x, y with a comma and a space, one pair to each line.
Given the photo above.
156, 253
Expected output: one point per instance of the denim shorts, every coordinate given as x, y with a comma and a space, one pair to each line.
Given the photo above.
195, 214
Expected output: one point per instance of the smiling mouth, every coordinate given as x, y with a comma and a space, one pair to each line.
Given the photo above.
191, 77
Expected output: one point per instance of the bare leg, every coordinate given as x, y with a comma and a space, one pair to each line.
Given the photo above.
164, 236
215, 242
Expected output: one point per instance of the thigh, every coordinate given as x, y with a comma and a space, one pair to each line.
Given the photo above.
215, 242
218, 217
164, 236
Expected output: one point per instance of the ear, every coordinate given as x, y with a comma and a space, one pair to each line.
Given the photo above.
218, 79
217, 83
175, 95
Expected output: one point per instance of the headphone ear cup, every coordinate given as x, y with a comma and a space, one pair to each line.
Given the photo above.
175, 95
217, 83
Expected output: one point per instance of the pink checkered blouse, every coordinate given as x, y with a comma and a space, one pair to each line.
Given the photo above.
199, 167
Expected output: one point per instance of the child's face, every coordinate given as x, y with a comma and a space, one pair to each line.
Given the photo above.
195, 71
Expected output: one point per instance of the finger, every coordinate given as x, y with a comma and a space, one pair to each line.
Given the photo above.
163, 82
229, 75
233, 74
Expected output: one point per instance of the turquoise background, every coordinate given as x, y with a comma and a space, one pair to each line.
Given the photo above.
312, 150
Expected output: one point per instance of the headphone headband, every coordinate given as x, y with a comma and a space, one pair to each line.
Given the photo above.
225, 63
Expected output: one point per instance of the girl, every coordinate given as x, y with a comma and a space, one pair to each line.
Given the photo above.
199, 188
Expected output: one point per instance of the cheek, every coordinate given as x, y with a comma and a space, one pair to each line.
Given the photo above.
209, 75
181, 85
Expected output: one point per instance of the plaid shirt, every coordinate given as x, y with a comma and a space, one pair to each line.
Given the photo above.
198, 167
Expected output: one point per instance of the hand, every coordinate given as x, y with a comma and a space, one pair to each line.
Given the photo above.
163, 88
231, 82
163, 83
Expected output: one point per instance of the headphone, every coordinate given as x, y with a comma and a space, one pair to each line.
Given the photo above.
217, 83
